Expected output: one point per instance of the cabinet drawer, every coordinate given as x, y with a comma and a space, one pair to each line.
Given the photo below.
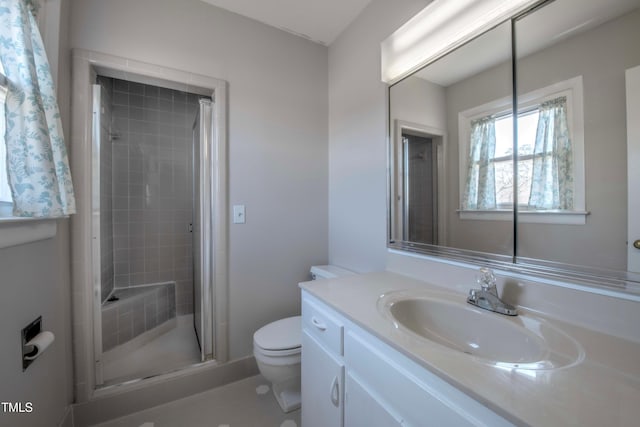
326, 328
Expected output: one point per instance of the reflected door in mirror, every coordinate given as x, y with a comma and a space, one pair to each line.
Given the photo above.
420, 208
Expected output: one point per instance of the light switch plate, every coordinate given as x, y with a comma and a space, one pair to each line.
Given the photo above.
238, 214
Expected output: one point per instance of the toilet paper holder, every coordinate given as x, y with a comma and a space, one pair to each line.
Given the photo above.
29, 333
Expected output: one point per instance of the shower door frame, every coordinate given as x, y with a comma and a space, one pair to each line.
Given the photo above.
86, 66
202, 167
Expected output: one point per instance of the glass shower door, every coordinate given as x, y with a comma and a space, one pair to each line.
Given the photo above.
97, 141
202, 229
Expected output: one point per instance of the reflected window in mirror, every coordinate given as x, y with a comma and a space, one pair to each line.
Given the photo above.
575, 61
549, 170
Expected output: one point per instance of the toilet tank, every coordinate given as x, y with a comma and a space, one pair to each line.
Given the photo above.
328, 272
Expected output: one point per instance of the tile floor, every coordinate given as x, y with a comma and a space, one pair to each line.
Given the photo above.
173, 350
245, 403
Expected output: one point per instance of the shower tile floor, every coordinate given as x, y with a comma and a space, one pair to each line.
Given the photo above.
172, 350
245, 403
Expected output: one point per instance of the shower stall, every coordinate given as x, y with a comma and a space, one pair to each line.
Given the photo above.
152, 229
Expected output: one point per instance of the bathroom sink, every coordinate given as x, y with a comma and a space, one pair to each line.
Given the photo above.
519, 342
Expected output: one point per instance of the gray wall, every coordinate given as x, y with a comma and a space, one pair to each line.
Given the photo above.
277, 136
418, 101
36, 281
31, 288
358, 137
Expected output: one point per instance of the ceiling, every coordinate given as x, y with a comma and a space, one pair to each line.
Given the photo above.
320, 21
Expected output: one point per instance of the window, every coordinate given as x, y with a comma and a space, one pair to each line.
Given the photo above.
550, 168
503, 158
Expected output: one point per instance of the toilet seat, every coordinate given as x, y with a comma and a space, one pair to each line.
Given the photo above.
277, 353
280, 338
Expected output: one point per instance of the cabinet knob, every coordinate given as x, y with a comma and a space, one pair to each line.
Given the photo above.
636, 244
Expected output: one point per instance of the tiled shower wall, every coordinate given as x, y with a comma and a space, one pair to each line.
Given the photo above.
106, 197
139, 309
152, 187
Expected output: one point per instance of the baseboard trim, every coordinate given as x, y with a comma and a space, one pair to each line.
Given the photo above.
145, 394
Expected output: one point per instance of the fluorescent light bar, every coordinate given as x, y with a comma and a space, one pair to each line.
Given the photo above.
439, 28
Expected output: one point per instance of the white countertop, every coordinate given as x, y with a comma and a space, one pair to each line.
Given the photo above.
601, 390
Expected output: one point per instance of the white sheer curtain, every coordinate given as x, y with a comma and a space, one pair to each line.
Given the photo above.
552, 178
37, 163
480, 189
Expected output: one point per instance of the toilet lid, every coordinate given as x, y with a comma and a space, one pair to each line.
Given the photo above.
282, 334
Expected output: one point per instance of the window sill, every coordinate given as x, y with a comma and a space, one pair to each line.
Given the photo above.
16, 231
527, 217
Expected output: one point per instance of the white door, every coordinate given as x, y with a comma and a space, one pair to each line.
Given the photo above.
633, 168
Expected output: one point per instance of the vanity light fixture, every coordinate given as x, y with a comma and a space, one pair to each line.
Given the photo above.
438, 29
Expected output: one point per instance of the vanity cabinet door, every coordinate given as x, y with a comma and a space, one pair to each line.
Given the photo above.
322, 385
362, 409
406, 391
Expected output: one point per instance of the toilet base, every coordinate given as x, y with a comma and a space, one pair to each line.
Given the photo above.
288, 394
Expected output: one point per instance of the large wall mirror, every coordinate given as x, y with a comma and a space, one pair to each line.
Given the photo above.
549, 191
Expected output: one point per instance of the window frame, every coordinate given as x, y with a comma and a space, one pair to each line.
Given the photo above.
572, 89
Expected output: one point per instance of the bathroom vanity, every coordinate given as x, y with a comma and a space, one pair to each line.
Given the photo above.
366, 363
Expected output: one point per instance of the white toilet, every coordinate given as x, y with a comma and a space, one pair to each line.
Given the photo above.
277, 347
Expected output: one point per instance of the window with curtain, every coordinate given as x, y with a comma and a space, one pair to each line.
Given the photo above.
35, 163
545, 168
481, 184
551, 168
552, 159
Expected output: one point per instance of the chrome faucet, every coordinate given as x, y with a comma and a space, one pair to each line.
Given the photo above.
487, 296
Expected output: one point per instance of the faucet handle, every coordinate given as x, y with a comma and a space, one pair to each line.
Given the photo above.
486, 279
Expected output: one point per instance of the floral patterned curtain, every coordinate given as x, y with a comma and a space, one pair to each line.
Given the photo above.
552, 179
37, 163
480, 189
